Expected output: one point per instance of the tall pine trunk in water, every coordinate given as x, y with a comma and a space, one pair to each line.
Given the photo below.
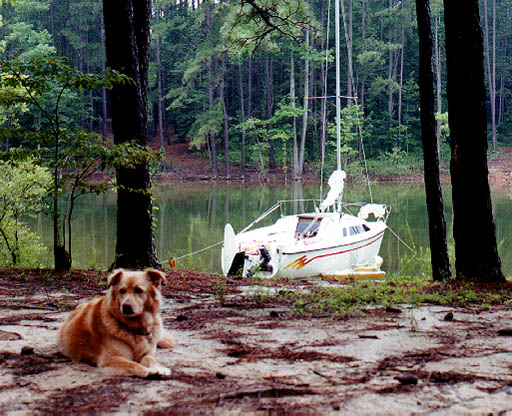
476, 254
127, 35
436, 224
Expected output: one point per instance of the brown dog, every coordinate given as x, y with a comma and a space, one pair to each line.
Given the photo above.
121, 330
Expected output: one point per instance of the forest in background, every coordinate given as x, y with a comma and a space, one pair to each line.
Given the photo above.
242, 94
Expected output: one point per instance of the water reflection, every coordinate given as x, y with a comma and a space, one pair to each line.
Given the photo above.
190, 217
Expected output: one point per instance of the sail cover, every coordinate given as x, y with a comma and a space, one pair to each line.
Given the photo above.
336, 183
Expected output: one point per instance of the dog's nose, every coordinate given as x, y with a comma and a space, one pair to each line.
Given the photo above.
127, 309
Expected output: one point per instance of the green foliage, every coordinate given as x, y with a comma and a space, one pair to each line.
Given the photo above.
23, 184
354, 297
219, 290
397, 162
266, 21
47, 85
207, 122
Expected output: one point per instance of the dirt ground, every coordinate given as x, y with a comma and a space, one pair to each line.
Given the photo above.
257, 356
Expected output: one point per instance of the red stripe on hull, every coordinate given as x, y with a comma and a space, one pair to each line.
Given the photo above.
304, 261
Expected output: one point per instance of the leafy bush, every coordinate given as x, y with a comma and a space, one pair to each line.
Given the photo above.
29, 251
23, 184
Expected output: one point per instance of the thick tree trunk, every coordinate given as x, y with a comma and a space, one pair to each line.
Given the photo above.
476, 254
436, 224
127, 47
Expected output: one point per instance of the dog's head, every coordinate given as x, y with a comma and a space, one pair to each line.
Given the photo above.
134, 292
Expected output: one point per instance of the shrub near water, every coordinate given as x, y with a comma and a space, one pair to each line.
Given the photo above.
22, 187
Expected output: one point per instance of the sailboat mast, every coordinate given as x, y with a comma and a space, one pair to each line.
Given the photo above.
338, 90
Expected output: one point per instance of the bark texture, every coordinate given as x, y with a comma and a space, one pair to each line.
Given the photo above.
476, 254
437, 226
127, 40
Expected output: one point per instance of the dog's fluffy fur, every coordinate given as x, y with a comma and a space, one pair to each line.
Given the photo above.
121, 330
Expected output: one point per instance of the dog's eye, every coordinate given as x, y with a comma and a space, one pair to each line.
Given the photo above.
122, 291
138, 290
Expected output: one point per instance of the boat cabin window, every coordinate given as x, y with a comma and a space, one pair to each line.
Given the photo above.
344, 232
366, 228
307, 227
358, 229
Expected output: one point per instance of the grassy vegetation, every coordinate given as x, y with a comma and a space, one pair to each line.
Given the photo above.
412, 286
354, 296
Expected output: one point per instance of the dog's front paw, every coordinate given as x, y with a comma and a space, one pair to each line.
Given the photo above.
159, 372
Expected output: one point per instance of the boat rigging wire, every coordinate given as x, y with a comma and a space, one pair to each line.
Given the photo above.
218, 243
402, 241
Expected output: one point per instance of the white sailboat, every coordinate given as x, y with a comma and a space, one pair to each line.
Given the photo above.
329, 241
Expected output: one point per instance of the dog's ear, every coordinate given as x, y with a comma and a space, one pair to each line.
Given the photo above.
156, 276
115, 277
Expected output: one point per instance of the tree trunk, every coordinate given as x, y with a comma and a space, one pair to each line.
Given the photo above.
493, 98
401, 77
437, 227
295, 150
437, 49
364, 25
242, 113
491, 68
305, 107
249, 87
160, 99
476, 254
268, 109
222, 99
390, 71
347, 26
212, 142
103, 90
127, 46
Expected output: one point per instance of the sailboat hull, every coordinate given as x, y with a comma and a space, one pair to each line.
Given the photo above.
349, 257
306, 245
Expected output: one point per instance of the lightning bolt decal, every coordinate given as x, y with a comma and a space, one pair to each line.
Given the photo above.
298, 263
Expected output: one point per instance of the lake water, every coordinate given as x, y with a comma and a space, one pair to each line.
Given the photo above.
191, 217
